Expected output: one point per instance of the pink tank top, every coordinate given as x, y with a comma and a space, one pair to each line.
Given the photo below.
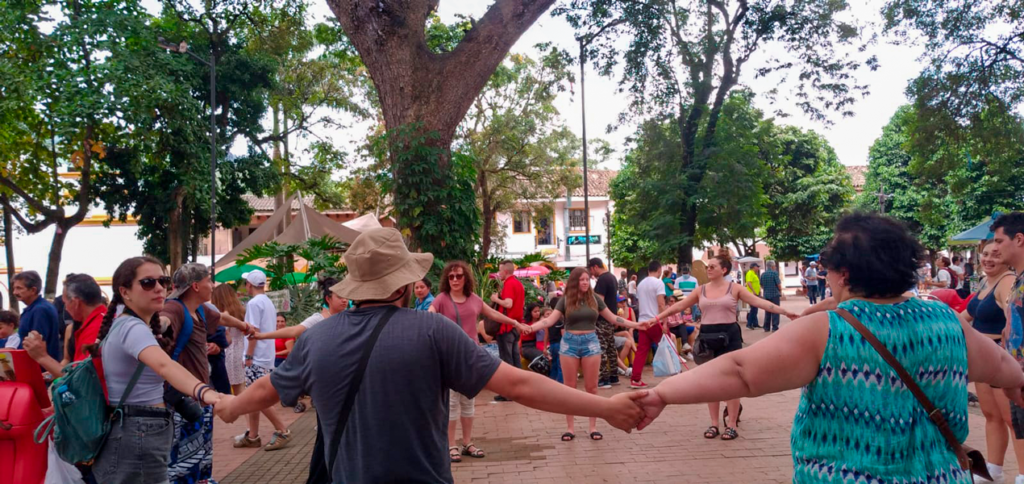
720, 310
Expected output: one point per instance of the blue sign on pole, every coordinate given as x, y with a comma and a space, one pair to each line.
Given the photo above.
582, 239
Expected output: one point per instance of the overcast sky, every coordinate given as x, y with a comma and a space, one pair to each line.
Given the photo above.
850, 137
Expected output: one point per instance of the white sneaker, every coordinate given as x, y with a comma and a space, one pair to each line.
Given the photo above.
622, 372
687, 347
1020, 479
997, 475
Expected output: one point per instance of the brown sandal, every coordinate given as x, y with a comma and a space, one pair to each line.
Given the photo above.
454, 454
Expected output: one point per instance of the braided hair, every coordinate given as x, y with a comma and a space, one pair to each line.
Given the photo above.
124, 277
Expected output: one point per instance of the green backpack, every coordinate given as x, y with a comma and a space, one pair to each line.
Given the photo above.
81, 416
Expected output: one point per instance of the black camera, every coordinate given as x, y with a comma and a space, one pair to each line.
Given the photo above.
189, 409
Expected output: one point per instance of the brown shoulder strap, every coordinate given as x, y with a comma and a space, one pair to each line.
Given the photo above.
933, 413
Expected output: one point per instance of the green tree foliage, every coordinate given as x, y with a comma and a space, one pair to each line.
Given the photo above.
78, 77
762, 182
975, 55
965, 195
807, 189
683, 59
521, 148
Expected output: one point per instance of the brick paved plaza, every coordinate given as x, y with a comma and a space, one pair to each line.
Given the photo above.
523, 445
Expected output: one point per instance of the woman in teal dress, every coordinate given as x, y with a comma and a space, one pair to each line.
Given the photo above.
856, 422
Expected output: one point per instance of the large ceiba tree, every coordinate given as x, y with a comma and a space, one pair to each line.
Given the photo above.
429, 92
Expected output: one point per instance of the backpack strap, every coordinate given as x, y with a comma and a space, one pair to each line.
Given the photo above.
185, 334
353, 389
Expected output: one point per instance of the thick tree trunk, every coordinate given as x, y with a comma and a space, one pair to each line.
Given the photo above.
60, 234
174, 241
416, 86
9, 249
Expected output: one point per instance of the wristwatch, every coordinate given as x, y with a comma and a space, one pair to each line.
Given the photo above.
248, 357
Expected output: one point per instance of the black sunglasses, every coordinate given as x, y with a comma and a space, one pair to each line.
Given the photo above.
455, 277
148, 283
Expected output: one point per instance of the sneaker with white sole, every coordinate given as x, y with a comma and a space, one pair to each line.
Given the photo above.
687, 347
279, 440
245, 442
623, 372
637, 385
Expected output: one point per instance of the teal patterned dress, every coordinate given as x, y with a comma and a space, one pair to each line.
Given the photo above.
857, 422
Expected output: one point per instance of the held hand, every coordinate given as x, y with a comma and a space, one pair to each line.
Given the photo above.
250, 330
652, 404
1015, 396
625, 413
34, 345
792, 315
212, 398
212, 349
526, 328
224, 409
256, 336
664, 329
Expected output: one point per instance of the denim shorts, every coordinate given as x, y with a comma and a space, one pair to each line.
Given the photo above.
138, 450
580, 345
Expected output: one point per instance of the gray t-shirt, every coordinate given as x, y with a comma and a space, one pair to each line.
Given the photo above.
127, 338
401, 410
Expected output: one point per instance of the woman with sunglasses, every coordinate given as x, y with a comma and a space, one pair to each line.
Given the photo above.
459, 303
580, 346
139, 445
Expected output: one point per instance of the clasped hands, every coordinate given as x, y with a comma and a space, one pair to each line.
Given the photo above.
634, 410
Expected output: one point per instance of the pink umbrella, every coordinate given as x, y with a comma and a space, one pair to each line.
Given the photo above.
532, 271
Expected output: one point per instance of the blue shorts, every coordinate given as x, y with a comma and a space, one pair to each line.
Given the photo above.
580, 345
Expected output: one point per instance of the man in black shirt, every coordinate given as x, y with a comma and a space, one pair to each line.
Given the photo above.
606, 288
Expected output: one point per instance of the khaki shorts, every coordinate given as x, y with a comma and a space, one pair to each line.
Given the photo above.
457, 401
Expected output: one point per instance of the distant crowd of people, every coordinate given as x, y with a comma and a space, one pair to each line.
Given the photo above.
181, 350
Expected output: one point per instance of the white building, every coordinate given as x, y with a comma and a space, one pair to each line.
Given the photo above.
563, 233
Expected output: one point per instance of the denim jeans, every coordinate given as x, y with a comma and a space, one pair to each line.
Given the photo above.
752, 317
812, 293
556, 362
137, 450
771, 320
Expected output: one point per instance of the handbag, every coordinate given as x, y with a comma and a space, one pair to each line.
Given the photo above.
707, 345
969, 459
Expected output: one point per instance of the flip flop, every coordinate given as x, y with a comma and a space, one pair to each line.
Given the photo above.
568, 437
596, 436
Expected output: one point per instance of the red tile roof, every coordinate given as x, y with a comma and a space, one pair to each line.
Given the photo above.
600, 181
857, 173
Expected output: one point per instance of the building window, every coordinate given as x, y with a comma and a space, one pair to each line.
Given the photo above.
545, 232
521, 222
577, 220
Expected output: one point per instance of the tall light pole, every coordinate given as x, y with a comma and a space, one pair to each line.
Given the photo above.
583, 112
882, 198
182, 48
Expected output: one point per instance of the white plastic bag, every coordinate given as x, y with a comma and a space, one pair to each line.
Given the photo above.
666, 360
58, 471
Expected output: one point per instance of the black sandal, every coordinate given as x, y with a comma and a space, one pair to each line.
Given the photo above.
726, 414
730, 434
475, 453
711, 432
568, 436
596, 436
454, 454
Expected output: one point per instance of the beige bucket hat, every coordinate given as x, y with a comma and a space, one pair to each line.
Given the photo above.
378, 265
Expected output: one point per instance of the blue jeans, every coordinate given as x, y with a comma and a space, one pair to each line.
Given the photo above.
580, 345
812, 293
556, 362
752, 317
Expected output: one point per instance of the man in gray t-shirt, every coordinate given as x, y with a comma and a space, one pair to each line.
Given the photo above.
397, 429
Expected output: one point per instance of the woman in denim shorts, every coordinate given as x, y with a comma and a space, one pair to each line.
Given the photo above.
580, 346
138, 447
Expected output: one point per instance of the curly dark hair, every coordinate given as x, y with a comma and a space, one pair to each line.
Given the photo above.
879, 254
467, 287
124, 277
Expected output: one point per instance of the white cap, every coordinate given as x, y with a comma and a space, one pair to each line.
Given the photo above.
255, 277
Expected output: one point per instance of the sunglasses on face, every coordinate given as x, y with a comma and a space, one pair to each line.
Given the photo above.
148, 283
456, 277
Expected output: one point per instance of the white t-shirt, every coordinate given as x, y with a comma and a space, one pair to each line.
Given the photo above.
261, 313
943, 276
647, 293
13, 341
631, 287
959, 270
312, 320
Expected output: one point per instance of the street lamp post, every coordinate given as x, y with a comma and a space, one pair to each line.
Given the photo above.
583, 112
182, 48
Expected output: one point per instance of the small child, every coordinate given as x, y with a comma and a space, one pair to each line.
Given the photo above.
9, 330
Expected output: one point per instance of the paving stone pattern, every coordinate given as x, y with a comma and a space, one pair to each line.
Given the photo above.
523, 445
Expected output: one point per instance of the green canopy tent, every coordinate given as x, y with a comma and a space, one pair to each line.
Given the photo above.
299, 278
234, 273
976, 234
